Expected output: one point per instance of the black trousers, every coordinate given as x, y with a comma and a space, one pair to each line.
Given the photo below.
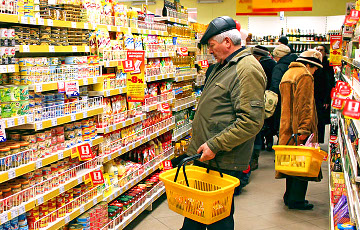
295, 190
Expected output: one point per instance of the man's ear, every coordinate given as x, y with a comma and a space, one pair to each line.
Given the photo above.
228, 42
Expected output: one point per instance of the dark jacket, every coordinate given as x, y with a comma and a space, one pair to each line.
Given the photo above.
278, 72
268, 65
231, 111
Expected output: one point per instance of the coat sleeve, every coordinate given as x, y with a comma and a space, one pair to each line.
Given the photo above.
247, 98
277, 75
304, 95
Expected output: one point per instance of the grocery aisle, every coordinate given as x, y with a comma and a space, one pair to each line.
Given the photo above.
260, 205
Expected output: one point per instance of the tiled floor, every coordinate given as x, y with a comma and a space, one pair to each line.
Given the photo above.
260, 205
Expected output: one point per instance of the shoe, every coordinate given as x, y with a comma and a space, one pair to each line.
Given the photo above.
286, 202
301, 206
269, 148
254, 164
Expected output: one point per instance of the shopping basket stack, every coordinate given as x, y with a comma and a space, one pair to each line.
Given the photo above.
199, 194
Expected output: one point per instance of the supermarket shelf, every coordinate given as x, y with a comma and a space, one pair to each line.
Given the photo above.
48, 86
127, 220
136, 144
40, 199
75, 213
121, 125
350, 61
9, 68
330, 203
355, 84
9, 18
160, 54
192, 49
20, 120
153, 107
59, 155
184, 106
39, 125
111, 63
310, 43
52, 49
185, 78
171, 19
117, 192
108, 93
160, 77
182, 135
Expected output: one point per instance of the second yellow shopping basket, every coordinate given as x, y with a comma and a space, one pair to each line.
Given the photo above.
296, 160
199, 194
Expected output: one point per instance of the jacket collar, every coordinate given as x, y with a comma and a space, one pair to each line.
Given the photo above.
241, 53
301, 65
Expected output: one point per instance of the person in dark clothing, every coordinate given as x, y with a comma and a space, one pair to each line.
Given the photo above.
324, 81
283, 40
262, 54
282, 54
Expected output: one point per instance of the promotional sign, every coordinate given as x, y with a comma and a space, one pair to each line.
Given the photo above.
335, 50
166, 165
96, 178
352, 18
128, 66
338, 103
61, 87
244, 7
85, 152
2, 131
182, 51
135, 80
164, 108
282, 5
352, 109
204, 64
72, 88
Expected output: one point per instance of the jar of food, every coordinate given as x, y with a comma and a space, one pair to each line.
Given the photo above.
14, 148
8, 202
16, 189
5, 151
25, 184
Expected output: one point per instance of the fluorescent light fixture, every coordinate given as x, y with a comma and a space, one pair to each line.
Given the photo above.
137, 3
210, 1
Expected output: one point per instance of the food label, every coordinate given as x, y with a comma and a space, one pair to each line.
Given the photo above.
164, 108
182, 51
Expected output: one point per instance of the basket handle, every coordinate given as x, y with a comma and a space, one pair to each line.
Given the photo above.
295, 136
187, 159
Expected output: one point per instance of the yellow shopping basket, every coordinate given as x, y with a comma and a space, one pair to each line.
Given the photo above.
298, 160
199, 194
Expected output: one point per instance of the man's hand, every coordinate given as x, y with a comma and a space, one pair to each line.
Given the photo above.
326, 106
207, 154
303, 137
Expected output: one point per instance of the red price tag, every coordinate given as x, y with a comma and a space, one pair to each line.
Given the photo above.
204, 64
344, 90
338, 103
96, 178
85, 152
333, 93
352, 109
128, 66
164, 108
166, 165
333, 139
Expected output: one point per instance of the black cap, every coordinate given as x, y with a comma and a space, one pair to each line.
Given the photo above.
261, 51
283, 40
217, 26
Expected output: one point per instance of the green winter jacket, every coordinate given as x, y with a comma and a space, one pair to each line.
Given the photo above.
231, 111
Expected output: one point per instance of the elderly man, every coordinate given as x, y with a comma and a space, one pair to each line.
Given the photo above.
231, 108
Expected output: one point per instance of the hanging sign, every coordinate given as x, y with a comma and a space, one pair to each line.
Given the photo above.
128, 66
282, 5
335, 50
244, 7
352, 18
166, 165
204, 64
85, 152
96, 178
352, 109
135, 80
338, 103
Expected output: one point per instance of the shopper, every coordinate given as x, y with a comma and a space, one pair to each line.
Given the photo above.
231, 109
262, 54
324, 81
298, 116
284, 57
284, 40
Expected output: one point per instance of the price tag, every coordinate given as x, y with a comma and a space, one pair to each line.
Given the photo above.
12, 174
61, 189
82, 209
109, 28
50, 22
94, 201
54, 122
87, 49
127, 148
86, 82
118, 28
39, 125
38, 164
38, 88
3, 69
26, 48
129, 30
86, 26
51, 49
111, 197
10, 122
74, 48
11, 68
41, 21
4, 218
40, 200
60, 155
67, 219
73, 25
107, 93
21, 210
24, 20
33, 21
109, 157
107, 64
30, 119
95, 80
114, 127
14, 212
107, 130
132, 120
85, 114
73, 117
80, 180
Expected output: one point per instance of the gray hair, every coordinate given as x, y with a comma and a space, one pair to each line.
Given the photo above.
233, 34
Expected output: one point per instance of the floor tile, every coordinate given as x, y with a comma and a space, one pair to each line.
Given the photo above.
301, 226
321, 222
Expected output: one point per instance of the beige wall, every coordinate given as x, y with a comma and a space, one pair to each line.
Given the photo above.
207, 12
